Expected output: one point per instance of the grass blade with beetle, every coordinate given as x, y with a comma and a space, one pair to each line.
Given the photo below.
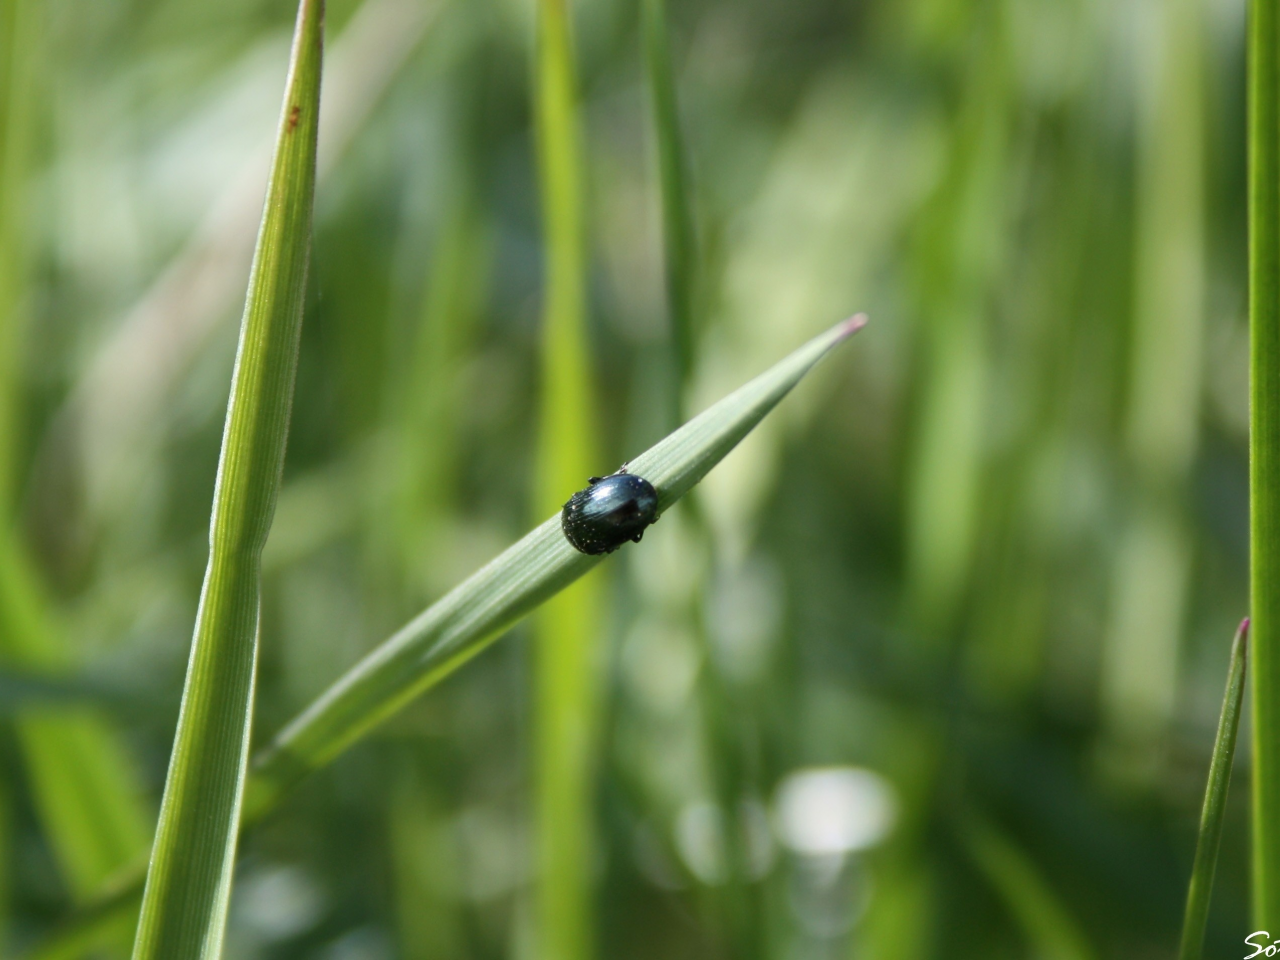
1200, 889
189, 879
476, 612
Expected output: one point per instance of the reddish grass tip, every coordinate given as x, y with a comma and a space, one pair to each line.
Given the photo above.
853, 324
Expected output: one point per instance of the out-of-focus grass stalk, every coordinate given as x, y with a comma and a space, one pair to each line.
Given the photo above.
680, 257
475, 613
742, 921
1050, 930
567, 629
18, 51
900, 925
960, 251
424, 863
1154, 555
82, 787
1264, 450
81, 781
427, 404
1200, 889
189, 879
425, 433
6, 857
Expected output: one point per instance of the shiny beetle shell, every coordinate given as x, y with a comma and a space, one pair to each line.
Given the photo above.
609, 512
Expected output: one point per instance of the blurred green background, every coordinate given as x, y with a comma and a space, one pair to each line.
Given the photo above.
933, 669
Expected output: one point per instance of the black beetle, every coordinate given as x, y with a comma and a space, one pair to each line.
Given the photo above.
608, 513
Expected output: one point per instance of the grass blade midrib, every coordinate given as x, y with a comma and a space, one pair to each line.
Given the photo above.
188, 883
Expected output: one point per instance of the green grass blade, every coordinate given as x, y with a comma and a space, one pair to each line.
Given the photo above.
18, 47
478, 611
679, 245
422, 462
472, 615
1050, 930
723, 720
738, 910
1264, 447
82, 787
1200, 889
424, 862
89, 805
1155, 548
95, 923
6, 857
566, 630
189, 880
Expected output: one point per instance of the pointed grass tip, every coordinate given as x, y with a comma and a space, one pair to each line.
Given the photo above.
853, 325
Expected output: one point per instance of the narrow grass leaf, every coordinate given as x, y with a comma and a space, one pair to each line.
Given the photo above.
678, 240
1051, 931
189, 880
1212, 814
566, 629
1264, 450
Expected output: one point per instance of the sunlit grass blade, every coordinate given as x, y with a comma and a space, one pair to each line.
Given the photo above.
475, 613
1200, 890
1051, 931
961, 244
1264, 450
567, 630
189, 879
1155, 548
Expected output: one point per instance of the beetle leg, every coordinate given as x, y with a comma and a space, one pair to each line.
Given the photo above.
594, 480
